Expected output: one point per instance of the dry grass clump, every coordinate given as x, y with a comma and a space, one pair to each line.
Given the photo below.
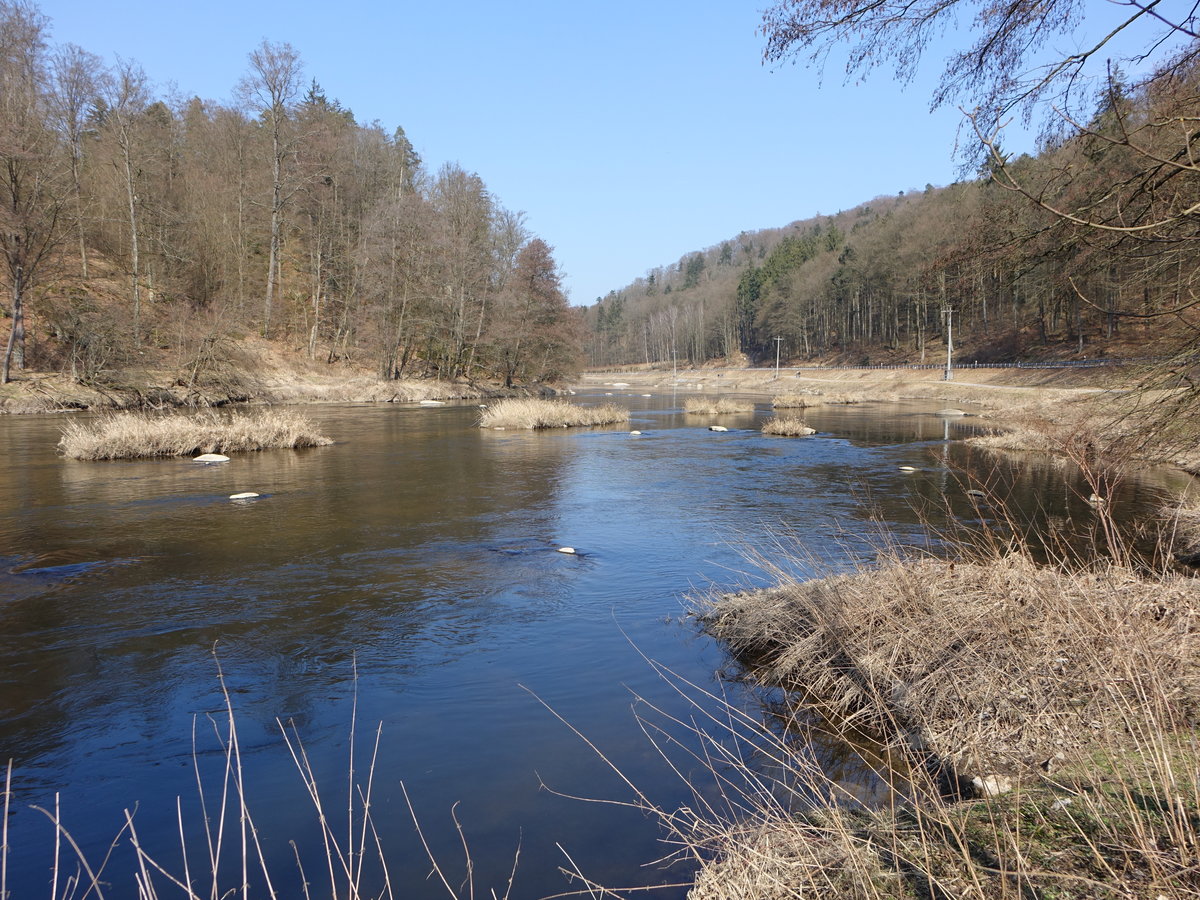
794, 401
789, 857
992, 666
722, 406
1073, 697
531, 412
130, 435
787, 426
1183, 527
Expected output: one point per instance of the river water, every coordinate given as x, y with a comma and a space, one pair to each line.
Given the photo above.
408, 578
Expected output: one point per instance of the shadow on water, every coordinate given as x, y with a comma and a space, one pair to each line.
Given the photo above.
423, 553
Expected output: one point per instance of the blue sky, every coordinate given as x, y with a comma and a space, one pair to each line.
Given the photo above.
630, 132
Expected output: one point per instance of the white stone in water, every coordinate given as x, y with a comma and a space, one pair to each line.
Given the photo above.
245, 495
717, 428
647, 395
620, 384
950, 412
975, 492
210, 458
432, 402
908, 468
566, 549
635, 432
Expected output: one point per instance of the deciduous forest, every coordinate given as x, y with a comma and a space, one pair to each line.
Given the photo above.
138, 226
1086, 247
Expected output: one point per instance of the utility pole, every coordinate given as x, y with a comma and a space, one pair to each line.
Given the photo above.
778, 341
949, 313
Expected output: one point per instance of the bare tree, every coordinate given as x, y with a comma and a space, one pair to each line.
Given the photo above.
31, 197
77, 79
128, 99
1006, 67
270, 89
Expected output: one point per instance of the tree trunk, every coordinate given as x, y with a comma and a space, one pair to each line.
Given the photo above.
16, 337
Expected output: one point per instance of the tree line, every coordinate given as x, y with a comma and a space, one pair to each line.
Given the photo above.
1091, 239
134, 223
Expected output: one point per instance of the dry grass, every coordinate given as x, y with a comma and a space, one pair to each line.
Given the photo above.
366, 389
992, 666
794, 401
1074, 696
787, 426
721, 406
536, 413
132, 435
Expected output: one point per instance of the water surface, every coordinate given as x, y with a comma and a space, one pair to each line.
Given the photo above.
409, 576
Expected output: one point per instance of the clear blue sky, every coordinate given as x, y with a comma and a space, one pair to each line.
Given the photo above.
630, 132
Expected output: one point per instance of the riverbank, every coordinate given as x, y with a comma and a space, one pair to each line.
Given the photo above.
250, 371
1114, 415
1040, 728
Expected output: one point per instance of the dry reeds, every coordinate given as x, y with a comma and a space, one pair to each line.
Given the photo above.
537, 413
222, 849
787, 426
721, 406
130, 435
794, 401
1049, 719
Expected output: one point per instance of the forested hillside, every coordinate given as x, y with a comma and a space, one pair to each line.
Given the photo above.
1089, 246
139, 225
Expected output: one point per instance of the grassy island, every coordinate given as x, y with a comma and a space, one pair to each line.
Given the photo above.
721, 406
532, 412
787, 426
131, 435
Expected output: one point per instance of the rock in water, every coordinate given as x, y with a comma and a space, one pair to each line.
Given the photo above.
566, 550
210, 458
717, 428
245, 495
950, 412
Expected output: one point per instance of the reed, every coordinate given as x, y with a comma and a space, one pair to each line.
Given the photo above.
530, 412
794, 401
1040, 725
787, 426
221, 851
721, 406
130, 435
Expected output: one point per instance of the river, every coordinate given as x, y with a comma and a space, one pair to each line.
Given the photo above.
408, 577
